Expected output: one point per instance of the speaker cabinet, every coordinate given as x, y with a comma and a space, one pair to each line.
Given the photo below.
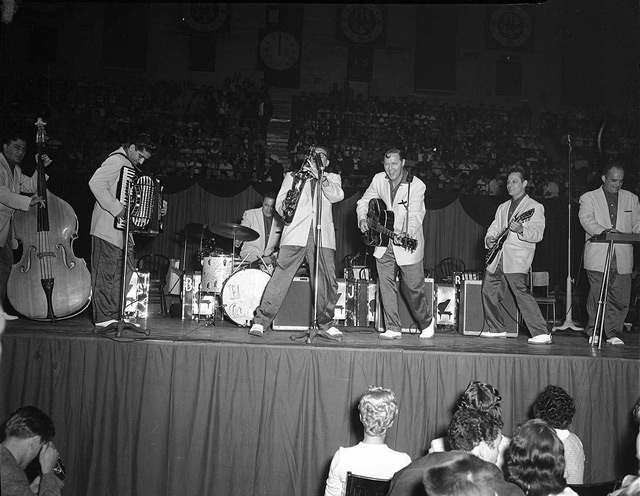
296, 311
407, 321
471, 321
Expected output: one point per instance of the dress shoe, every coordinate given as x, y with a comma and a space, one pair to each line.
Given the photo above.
540, 339
390, 335
493, 334
429, 331
615, 341
257, 330
105, 323
9, 317
333, 331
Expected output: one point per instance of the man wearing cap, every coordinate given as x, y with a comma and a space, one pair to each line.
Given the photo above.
298, 242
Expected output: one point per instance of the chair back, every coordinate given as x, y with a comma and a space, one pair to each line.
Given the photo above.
446, 267
540, 280
358, 485
156, 265
597, 489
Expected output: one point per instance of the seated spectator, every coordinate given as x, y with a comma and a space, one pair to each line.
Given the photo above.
557, 408
461, 474
28, 434
470, 431
371, 457
482, 397
631, 483
535, 461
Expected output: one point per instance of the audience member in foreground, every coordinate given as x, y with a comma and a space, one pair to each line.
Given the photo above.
481, 397
28, 435
535, 461
557, 408
470, 432
631, 483
371, 457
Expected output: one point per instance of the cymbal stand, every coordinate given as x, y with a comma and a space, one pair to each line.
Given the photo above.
315, 331
123, 324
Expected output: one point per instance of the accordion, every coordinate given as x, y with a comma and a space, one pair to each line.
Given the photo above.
145, 194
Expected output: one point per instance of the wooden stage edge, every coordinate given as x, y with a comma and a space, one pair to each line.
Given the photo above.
567, 343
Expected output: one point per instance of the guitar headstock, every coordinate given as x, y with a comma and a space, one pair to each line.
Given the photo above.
526, 215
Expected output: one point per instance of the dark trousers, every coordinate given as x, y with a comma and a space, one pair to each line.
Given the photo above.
618, 298
412, 285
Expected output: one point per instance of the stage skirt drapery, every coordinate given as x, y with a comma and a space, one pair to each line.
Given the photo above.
205, 418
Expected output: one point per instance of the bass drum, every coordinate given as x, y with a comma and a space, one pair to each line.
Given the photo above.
241, 294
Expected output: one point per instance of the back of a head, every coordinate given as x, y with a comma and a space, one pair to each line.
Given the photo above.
481, 396
534, 459
378, 409
460, 474
29, 421
468, 428
555, 407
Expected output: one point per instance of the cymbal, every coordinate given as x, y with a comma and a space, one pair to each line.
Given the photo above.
228, 229
197, 231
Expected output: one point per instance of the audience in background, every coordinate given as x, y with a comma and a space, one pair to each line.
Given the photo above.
535, 461
481, 397
371, 457
557, 408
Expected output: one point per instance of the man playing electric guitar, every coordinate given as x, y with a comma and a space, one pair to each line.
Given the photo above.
511, 264
405, 197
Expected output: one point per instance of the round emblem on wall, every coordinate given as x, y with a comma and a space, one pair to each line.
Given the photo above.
279, 50
361, 23
510, 25
205, 17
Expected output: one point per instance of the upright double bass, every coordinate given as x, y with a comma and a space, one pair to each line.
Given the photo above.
49, 282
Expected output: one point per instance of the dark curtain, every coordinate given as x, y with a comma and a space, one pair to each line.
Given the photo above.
151, 418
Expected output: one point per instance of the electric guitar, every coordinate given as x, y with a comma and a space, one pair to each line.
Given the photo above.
380, 222
495, 249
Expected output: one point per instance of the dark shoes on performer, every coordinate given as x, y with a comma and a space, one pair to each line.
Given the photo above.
257, 330
389, 334
540, 339
490, 334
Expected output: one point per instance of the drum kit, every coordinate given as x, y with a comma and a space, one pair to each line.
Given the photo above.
236, 286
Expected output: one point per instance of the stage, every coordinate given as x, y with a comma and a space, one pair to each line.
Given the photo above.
209, 410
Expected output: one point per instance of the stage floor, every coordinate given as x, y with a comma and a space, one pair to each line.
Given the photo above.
567, 343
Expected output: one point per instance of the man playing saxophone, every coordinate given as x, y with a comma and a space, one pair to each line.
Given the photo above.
296, 203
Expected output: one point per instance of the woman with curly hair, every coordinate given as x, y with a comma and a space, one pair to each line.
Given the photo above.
557, 408
482, 397
535, 461
371, 457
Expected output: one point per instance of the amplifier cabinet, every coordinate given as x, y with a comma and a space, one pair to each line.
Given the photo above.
296, 311
471, 321
408, 323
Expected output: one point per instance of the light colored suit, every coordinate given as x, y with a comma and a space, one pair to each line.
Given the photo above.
519, 248
380, 188
254, 219
297, 233
11, 185
104, 186
594, 218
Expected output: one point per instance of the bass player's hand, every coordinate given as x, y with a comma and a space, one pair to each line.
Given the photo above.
363, 225
491, 241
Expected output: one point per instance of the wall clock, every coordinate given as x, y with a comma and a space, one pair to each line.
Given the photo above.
362, 23
510, 26
279, 50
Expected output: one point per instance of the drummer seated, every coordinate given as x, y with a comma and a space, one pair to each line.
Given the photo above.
268, 224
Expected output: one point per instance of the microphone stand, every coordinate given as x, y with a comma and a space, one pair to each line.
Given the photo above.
122, 324
315, 332
568, 322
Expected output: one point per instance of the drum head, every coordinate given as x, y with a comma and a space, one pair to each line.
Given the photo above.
215, 270
242, 293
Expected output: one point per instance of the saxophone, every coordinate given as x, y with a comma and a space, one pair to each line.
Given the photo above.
290, 203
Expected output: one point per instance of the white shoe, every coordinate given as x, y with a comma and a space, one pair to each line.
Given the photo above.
105, 323
9, 317
493, 334
615, 341
540, 339
131, 322
390, 335
257, 330
333, 331
429, 331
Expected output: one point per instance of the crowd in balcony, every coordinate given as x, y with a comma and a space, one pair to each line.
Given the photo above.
219, 133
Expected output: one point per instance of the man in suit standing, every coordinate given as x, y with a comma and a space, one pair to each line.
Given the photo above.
268, 224
298, 242
511, 265
609, 209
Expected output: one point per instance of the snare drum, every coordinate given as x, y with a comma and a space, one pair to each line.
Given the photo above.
215, 270
241, 294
